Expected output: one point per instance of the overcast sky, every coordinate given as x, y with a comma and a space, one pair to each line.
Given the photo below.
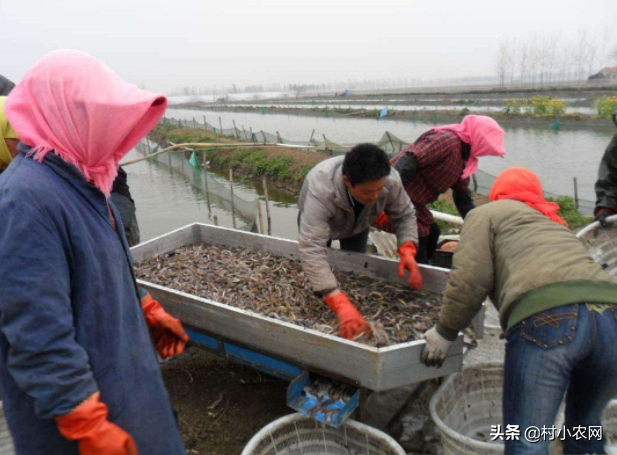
173, 43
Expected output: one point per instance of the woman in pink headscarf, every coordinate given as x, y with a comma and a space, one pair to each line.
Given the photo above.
444, 158
78, 365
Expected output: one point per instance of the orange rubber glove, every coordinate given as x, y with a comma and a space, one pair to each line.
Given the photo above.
381, 219
407, 252
167, 331
350, 321
96, 435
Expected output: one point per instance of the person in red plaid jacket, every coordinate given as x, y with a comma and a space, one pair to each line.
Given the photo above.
443, 158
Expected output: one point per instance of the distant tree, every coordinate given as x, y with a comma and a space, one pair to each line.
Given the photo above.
535, 58
298, 89
502, 61
523, 62
550, 56
512, 56
581, 54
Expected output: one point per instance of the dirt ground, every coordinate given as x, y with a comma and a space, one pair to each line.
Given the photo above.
221, 404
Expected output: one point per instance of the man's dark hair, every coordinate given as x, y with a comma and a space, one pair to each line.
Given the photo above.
365, 163
5, 86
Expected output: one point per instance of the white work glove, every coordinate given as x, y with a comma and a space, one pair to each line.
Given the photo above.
436, 349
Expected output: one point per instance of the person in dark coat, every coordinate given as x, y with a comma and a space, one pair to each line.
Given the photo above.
5, 86
444, 158
606, 185
78, 364
122, 199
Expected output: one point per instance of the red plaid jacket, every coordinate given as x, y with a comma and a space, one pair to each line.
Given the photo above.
440, 167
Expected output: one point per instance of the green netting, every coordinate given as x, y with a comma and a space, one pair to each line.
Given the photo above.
215, 190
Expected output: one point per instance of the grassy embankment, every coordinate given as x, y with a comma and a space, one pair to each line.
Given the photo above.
286, 168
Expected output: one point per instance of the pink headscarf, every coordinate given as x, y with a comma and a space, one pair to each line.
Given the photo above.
484, 136
74, 105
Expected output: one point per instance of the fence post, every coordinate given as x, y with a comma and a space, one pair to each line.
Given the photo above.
325, 144
194, 123
312, 134
278, 138
391, 143
575, 193
261, 218
264, 136
205, 124
233, 210
204, 164
244, 132
265, 185
236, 130
221, 124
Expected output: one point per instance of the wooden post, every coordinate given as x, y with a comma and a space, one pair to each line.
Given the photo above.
264, 136
575, 193
278, 138
204, 165
325, 144
264, 181
251, 134
216, 220
244, 132
261, 218
221, 124
194, 124
205, 124
312, 134
233, 208
236, 130
391, 143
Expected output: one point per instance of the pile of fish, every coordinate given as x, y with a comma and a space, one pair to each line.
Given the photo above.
276, 287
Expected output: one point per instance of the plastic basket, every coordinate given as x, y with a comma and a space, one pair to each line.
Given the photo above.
468, 403
297, 434
465, 407
6, 441
602, 244
609, 424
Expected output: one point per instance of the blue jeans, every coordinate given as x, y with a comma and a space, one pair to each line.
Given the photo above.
568, 351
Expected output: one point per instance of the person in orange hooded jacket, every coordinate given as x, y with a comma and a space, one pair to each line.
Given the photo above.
557, 307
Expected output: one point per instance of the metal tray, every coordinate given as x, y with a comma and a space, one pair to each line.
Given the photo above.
376, 369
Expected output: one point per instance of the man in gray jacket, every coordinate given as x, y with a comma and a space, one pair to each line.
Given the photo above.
340, 198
